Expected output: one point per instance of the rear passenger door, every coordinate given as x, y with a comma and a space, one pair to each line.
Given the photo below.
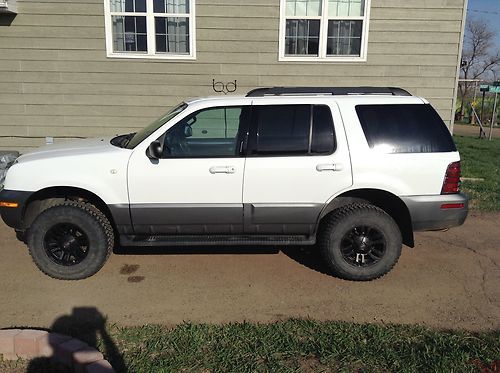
297, 159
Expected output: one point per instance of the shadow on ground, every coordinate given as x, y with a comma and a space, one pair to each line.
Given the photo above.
89, 325
307, 256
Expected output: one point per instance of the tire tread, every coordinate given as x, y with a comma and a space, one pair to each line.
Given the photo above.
100, 218
328, 229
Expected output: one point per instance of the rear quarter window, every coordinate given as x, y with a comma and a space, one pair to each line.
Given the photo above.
407, 128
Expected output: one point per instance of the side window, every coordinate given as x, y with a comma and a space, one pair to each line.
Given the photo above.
404, 128
289, 130
283, 129
212, 132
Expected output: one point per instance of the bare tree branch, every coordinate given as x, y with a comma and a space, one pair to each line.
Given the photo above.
480, 56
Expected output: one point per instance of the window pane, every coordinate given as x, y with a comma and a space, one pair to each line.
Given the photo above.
128, 5
207, 133
171, 6
344, 38
283, 129
323, 138
129, 34
302, 37
303, 7
346, 8
172, 35
404, 129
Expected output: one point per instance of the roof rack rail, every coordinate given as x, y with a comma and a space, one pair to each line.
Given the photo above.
334, 91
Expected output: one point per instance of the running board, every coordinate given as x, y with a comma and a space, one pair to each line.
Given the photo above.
212, 240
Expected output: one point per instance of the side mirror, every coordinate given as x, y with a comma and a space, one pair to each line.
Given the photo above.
188, 131
155, 150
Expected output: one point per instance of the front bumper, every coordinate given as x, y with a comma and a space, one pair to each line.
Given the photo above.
13, 216
438, 211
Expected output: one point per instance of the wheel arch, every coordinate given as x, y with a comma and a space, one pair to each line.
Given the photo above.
47, 197
389, 202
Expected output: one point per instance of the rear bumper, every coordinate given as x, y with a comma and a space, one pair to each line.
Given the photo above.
438, 211
13, 216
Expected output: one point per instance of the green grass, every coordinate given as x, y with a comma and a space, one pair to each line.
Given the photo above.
481, 160
300, 345
288, 346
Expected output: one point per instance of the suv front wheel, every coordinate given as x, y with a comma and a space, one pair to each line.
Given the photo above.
70, 241
360, 242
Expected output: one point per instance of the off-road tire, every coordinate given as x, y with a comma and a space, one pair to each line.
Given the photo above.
344, 220
88, 219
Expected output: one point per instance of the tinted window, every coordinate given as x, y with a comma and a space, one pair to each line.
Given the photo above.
404, 129
283, 129
207, 133
293, 130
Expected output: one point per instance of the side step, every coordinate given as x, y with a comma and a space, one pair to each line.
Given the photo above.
212, 240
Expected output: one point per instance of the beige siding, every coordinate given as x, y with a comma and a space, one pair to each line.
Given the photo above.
55, 79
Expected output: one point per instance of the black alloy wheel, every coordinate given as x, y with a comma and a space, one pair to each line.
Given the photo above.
363, 246
66, 244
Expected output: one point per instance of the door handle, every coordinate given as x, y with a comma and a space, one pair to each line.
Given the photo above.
329, 167
222, 170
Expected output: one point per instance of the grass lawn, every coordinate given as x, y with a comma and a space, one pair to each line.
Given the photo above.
481, 160
296, 346
288, 346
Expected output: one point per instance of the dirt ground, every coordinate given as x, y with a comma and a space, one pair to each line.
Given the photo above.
470, 130
450, 280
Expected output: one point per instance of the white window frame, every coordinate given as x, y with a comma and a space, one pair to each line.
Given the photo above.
151, 34
323, 35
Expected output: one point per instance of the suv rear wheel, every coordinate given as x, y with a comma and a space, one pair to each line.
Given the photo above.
360, 242
70, 241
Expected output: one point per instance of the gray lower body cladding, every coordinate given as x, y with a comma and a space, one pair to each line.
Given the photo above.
437, 211
258, 219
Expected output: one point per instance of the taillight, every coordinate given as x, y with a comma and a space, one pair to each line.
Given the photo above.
451, 183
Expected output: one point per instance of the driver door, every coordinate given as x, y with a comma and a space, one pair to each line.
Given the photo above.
196, 186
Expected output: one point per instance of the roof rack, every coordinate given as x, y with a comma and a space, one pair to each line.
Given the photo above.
334, 91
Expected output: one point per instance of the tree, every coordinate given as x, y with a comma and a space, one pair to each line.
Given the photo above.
480, 57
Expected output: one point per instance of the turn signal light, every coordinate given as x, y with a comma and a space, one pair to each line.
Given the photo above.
9, 204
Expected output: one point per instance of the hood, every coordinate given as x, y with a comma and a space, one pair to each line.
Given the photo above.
70, 148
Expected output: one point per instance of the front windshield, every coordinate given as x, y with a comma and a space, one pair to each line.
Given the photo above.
145, 132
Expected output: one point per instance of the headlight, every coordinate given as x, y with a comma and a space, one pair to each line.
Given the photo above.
7, 159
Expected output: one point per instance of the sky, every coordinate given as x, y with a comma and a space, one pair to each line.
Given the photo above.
488, 10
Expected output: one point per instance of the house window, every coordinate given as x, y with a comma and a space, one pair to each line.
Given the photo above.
324, 30
150, 28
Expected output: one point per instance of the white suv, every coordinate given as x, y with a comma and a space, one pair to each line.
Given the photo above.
353, 170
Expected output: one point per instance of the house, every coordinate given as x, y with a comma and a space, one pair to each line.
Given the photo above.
84, 68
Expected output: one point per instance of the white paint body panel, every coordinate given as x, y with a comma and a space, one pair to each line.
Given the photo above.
403, 174
94, 165
295, 179
184, 180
